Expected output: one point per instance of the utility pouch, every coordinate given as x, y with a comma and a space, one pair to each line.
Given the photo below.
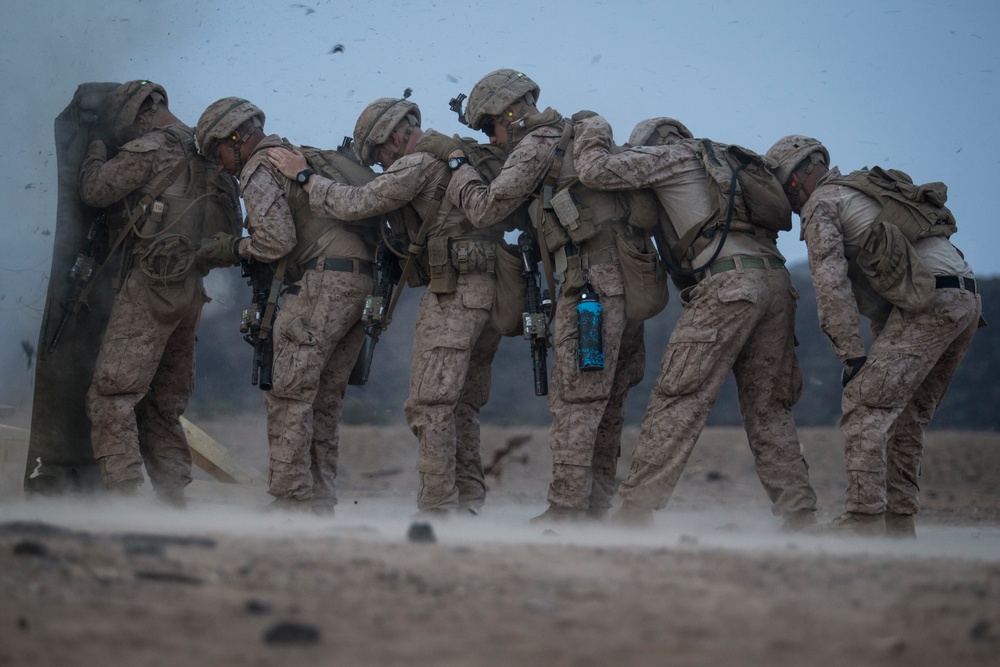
572, 273
555, 236
172, 284
444, 279
507, 312
578, 223
645, 280
894, 269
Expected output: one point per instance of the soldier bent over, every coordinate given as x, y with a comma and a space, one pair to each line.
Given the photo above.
327, 268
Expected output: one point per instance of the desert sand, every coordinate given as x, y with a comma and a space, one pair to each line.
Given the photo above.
92, 581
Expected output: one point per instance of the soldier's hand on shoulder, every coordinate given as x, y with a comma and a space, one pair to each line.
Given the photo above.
289, 163
437, 144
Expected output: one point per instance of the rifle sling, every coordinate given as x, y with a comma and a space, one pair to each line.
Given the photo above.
417, 246
267, 319
548, 186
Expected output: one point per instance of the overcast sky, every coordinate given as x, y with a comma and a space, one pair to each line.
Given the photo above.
904, 84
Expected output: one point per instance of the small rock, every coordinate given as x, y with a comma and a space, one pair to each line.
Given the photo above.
257, 607
421, 532
291, 632
30, 548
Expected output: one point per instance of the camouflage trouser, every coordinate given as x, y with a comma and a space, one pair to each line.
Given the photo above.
588, 406
889, 403
143, 378
453, 349
742, 320
317, 338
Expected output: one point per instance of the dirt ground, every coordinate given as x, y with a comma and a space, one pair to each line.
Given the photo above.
87, 581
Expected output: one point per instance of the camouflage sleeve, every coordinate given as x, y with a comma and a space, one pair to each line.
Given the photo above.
269, 218
104, 182
522, 174
600, 165
838, 311
388, 191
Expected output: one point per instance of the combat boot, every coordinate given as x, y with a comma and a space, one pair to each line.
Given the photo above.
172, 496
630, 515
559, 514
323, 506
899, 525
799, 520
124, 488
289, 505
855, 523
598, 513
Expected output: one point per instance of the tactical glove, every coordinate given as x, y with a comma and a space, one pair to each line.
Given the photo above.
851, 368
583, 115
223, 250
437, 144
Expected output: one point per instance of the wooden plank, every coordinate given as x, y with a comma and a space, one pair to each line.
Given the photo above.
217, 461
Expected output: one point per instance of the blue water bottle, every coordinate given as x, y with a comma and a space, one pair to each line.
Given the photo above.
590, 339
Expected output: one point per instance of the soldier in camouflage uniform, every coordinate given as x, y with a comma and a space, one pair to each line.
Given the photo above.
144, 373
454, 341
317, 333
738, 314
889, 395
587, 406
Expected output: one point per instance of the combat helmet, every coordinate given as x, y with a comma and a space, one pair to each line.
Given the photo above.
788, 152
377, 122
221, 119
495, 92
123, 105
653, 131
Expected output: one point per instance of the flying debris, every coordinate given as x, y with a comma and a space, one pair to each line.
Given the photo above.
452, 78
309, 10
595, 60
337, 48
29, 351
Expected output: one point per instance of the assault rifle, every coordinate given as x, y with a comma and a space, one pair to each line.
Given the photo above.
537, 310
376, 314
261, 280
82, 273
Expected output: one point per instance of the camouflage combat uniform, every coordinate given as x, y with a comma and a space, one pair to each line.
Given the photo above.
454, 340
889, 403
144, 374
587, 406
317, 333
740, 316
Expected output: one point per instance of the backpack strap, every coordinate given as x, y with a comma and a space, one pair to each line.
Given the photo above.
548, 187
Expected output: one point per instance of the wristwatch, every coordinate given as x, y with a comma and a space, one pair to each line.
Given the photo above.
456, 162
303, 176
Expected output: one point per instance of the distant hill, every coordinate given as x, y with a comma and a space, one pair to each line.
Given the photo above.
223, 375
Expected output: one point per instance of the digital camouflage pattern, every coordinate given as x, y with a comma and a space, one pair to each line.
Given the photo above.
144, 373
741, 320
889, 403
454, 342
317, 335
586, 407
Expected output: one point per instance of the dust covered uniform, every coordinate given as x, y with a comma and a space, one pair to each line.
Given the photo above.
740, 316
454, 342
587, 406
144, 374
317, 333
889, 403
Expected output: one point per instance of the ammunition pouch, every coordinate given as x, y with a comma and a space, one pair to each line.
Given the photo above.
444, 278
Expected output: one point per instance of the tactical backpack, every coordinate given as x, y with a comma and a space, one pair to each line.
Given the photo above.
909, 212
749, 198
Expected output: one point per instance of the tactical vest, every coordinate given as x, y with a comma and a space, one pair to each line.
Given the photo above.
315, 234
917, 210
